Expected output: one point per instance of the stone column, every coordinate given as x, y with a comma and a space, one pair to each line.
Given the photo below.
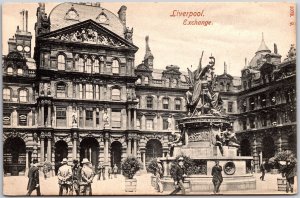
49, 115
165, 164
134, 119
74, 152
42, 147
106, 140
129, 147
134, 147
27, 163
39, 116
42, 115
279, 144
49, 148
144, 159
129, 118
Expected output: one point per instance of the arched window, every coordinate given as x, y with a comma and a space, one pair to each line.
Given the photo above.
23, 95
115, 67
149, 102
96, 66
138, 81
88, 65
20, 71
89, 91
80, 64
9, 70
177, 104
61, 90
61, 62
146, 80
6, 94
115, 94
165, 103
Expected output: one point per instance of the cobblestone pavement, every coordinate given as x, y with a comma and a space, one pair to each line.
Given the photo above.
16, 185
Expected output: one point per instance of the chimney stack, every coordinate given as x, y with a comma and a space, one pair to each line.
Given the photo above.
26, 21
275, 49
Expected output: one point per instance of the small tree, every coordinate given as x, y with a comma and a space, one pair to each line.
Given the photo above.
130, 166
152, 166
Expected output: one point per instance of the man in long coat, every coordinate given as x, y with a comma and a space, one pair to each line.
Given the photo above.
34, 180
64, 177
178, 176
87, 176
217, 179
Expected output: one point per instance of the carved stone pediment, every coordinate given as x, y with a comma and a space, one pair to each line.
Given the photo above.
89, 32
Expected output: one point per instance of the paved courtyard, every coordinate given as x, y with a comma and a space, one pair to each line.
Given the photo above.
16, 185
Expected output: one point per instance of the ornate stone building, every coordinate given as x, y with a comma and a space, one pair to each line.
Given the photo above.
81, 95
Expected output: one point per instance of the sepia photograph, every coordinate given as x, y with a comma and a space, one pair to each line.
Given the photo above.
165, 98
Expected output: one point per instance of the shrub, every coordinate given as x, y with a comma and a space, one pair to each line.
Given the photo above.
152, 166
130, 166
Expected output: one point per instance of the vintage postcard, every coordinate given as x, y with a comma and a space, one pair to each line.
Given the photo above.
149, 98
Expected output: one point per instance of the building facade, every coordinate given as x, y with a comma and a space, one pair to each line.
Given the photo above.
81, 95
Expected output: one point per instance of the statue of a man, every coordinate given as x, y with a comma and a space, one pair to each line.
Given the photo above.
170, 123
105, 118
74, 118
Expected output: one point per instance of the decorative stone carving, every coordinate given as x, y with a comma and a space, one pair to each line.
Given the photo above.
14, 134
200, 136
89, 35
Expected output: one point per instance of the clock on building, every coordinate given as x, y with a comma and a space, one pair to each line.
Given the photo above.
20, 48
27, 49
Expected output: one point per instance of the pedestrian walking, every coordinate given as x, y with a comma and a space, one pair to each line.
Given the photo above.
289, 171
263, 171
109, 171
101, 171
159, 174
87, 176
64, 178
76, 176
179, 172
217, 179
34, 179
115, 170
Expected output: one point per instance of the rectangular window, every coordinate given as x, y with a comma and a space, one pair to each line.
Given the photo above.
149, 102
97, 119
244, 124
89, 91
165, 103
177, 104
230, 104
46, 60
80, 117
116, 119
252, 123
89, 118
149, 124
61, 90
97, 92
61, 117
89, 66
23, 120
96, 66
6, 119
165, 124
80, 91
115, 67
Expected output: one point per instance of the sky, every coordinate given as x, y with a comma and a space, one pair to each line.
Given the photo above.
235, 31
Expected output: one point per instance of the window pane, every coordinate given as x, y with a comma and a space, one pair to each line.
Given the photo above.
61, 90
165, 124
165, 103
96, 66
116, 119
80, 65
115, 67
23, 96
6, 94
9, 70
89, 65
61, 62
149, 124
20, 72
6, 118
61, 116
115, 94
89, 118
89, 91
177, 104
149, 102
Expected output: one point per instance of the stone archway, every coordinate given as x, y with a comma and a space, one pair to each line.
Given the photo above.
153, 149
61, 151
14, 156
116, 154
268, 147
89, 148
245, 147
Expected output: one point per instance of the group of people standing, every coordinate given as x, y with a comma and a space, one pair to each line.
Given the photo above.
71, 179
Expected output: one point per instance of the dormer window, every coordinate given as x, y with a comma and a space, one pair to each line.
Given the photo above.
20, 71
146, 80
9, 71
102, 18
72, 14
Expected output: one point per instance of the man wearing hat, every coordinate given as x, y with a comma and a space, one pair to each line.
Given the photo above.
87, 176
64, 177
34, 180
179, 172
290, 172
76, 176
159, 174
217, 179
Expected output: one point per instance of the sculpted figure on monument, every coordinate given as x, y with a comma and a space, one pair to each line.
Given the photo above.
202, 99
230, 138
